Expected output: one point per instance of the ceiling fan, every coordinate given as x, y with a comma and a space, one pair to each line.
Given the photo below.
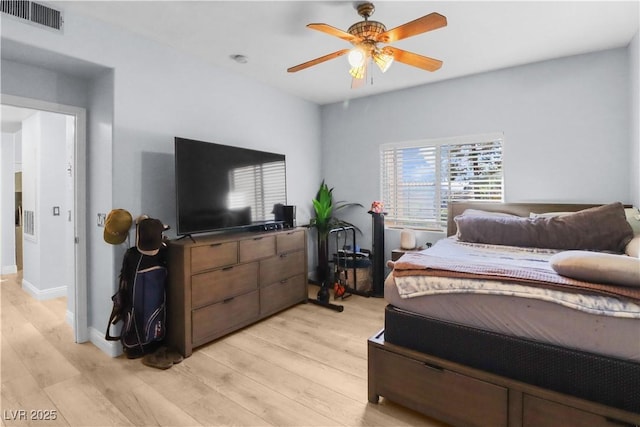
366, 36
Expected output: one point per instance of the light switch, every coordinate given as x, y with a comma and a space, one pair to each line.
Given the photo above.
56, 211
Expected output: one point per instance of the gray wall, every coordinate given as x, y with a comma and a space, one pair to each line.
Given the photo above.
566, 126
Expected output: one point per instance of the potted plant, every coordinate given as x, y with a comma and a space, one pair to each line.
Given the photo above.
325, 221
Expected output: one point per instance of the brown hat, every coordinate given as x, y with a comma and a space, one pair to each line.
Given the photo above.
116, 226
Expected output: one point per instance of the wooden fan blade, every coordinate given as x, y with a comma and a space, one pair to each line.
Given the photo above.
317, 60
429, 22
333, 31
414, 59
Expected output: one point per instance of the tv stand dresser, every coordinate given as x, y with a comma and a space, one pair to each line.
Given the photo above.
221, 283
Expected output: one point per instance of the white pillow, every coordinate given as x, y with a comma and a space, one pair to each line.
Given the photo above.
598, 267
633, 247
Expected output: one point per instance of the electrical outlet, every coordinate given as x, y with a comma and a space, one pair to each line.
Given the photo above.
101, 219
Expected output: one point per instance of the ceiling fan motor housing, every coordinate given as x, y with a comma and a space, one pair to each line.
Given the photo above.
367, 30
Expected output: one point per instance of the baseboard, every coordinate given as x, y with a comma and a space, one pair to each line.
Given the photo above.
9, 269
44, 294
111, 348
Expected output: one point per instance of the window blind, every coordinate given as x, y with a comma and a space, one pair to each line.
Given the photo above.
419, 179
258, 186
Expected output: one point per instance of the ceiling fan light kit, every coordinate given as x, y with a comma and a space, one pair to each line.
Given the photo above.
365, 37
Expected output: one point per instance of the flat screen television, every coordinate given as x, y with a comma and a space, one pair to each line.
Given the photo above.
220, 187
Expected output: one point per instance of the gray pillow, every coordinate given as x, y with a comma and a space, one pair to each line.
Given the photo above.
602, 228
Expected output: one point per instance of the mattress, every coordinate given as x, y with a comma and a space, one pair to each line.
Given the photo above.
596, 378
534, 319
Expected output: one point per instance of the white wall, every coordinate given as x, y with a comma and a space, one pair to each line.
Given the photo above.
566, 127
44, 186
7, 203
634, 74
156, 94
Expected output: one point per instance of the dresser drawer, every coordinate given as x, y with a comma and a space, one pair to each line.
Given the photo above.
215, 320
213, 256
281, 267
283, 294
291, 241
257, 248
436, 391
217, 285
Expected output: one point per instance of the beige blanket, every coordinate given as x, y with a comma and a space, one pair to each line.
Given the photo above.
451, 258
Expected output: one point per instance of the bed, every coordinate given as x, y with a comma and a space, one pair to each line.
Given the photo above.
505, 350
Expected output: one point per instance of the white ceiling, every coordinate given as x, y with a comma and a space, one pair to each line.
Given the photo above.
480, 36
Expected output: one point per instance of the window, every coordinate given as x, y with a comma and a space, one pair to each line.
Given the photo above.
418, 179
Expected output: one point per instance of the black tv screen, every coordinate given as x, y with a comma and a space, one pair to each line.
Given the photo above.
220, 187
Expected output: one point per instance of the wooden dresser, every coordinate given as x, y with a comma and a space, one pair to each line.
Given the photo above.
221, 283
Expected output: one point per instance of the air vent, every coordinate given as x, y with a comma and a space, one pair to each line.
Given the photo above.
29, 223
31, 11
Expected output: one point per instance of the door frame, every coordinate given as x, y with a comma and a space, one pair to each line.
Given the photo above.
79, 291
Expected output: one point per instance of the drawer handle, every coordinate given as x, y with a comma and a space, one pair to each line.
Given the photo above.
283, 281
227, 268
258, 238
215, 244
433, 367
227, 300
283, 255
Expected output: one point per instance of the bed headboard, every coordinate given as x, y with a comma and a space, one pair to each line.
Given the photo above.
520, 209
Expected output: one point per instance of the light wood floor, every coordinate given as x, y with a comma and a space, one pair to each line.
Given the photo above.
306, 366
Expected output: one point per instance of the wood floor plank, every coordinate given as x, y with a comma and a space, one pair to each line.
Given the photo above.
341, 382
302, 367
84, 405
11, 366
313, 346
186, 389
44, 362
35, 409
265, 402
141, 404
342, 409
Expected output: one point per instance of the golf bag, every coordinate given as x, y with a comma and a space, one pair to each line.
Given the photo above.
140, 303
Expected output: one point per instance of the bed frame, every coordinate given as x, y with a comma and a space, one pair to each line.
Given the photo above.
432, 374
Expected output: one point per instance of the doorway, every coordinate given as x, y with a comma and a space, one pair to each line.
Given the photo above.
74, 239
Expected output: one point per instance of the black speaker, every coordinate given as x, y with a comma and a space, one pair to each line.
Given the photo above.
378, 255
289, 216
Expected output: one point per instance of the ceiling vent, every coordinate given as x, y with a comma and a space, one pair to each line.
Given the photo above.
33, 12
